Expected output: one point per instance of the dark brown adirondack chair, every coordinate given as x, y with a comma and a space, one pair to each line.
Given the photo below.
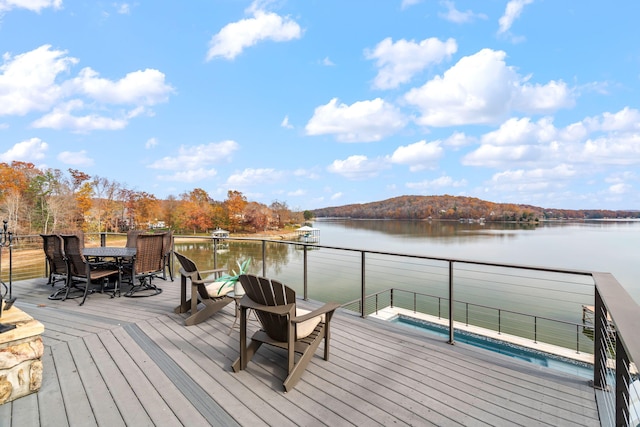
79, 268
283, 326
147, 264
53, 247
203, 290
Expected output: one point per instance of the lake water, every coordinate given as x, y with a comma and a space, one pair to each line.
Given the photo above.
604, 246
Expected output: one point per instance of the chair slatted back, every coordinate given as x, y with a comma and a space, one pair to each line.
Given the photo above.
53, 246
132, 236
149, 256
73, 246
271, 293
188, 265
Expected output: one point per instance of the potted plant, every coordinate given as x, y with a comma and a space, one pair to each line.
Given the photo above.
231, 280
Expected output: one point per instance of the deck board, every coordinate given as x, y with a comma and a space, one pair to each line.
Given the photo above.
131, 361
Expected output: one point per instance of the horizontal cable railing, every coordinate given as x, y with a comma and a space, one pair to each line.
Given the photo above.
539, 303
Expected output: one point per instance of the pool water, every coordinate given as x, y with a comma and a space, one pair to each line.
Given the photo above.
548, 360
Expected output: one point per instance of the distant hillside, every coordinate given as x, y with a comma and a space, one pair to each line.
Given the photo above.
456, 207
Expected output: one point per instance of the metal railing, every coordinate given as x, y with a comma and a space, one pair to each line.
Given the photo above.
363, 275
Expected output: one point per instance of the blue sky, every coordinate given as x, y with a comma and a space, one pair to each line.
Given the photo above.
328, 102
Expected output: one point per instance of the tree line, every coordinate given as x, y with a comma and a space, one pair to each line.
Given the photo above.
36, 201
460, 208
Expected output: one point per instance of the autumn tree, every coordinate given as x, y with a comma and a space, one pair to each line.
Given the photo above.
236, 202
257, 215
195, 211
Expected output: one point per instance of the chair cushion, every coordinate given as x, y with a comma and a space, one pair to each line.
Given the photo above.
305, 328
214, 291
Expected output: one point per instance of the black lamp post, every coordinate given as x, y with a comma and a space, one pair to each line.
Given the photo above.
6, 240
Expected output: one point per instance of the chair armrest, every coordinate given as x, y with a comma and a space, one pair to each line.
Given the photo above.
274, 309
194, 274
328, 307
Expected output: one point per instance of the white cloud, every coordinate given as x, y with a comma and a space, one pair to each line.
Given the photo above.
363, 121
436, 184
398, 62
482, 89
327, 62
537, 179
511, 13
189, 175
28, 81
250, 177
146, 87
151, 143
32, 5
198, 156
235, 37
25, 151
122, 8
418, 156
358, 167
408, 3
61, 117
522, 131
459, 139
285, 123
454, 15
77, 158
297, 193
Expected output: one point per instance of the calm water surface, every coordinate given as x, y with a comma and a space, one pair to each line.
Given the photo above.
605, 246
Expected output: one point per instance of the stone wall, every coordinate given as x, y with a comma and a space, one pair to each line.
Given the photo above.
21, 352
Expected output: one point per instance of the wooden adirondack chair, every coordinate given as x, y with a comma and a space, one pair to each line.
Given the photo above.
283, 326
203, 290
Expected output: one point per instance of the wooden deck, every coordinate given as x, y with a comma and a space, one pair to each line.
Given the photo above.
131, 361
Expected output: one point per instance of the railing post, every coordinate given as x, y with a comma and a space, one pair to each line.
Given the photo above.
391, 297
577, 338
215, 252
499, 321
304, 272
103, 239
451, 320
264, 258
535, 329
363, 294
599, 348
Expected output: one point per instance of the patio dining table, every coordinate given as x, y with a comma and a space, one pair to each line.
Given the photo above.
117, 254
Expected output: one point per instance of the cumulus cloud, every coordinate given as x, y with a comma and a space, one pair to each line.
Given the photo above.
250, 177
30, 82
233, 38
511, 13
75, 158
358, 167
482, 89
363, 121
398, 62
457, 16
62, 117
30, 150
32, 5
190, 175
197, 156
435, 185
142, 87
285, 123
418, 156
537, 179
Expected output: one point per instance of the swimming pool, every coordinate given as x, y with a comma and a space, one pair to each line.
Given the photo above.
540, 358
